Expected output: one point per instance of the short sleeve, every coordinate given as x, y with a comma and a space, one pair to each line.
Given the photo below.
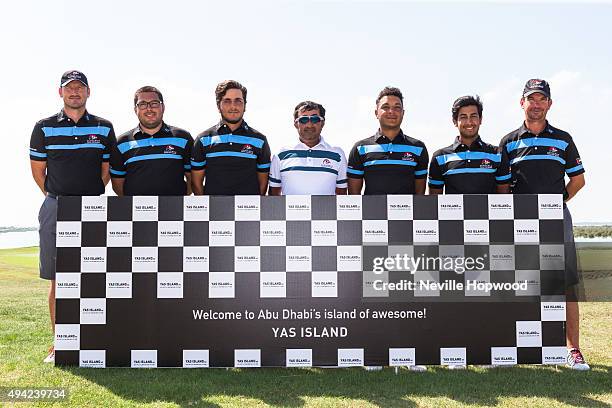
187, 152
355, 168
111, 141
573, 163
421, 168
502, 175
436, 179
117, 166
198, 153
263, 159
341, 181
38, 150
274, 180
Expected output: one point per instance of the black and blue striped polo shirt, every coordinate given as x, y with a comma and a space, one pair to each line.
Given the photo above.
474, 169
74, 152
152, 164
539, 163
231, 159
388, 166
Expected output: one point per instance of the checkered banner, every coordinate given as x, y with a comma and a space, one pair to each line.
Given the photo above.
298, 281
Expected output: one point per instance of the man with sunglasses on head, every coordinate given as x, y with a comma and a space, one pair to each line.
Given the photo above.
312, 167
230, 158
540, 157
69, 155
154, 158
469, 165
390, 161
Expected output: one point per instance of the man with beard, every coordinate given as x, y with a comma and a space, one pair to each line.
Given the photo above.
469, 165
231, 156
312, 166
154, 157
390, 161
540, 156
69, 155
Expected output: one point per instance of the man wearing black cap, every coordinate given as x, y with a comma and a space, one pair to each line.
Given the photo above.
469, 165
69, 155
154, 157
540, 156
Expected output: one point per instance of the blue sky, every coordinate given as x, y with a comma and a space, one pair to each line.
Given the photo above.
337, 53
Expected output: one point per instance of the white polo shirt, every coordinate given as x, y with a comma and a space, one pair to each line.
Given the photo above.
307, 170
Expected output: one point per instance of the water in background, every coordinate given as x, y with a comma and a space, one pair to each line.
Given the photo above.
18, 239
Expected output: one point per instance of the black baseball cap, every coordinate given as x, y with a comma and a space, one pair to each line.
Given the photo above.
536, 86
69, 76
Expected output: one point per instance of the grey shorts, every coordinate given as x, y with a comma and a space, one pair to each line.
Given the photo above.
571, 262
47, 217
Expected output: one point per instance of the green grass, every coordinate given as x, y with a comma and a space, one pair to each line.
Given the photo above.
25, 336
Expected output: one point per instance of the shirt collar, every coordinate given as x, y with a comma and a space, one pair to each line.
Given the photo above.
477, 144
224, 128
61, 116
523, 129
163, 130
322, 145
400, 138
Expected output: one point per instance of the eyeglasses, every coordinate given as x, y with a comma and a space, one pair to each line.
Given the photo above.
314, 119
152, 104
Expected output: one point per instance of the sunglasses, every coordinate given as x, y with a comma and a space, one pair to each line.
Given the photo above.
314, 119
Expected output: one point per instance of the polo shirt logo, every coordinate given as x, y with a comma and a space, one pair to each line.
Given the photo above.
486, 164
169, 150
247, 148
326, 163
553, 151
93, 139
408, 156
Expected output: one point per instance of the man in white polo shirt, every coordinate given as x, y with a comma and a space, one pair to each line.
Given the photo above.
312, 167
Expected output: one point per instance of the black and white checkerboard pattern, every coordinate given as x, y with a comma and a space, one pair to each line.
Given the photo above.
130, 271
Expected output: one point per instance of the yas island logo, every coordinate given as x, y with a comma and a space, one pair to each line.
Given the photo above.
408, 156
486, 164
92, 139
247, 148
169, 150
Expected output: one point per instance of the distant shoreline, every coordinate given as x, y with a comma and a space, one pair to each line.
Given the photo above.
17, 229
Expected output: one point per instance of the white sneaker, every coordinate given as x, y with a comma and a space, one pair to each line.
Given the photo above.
456, 367
576, 361
418, 368
51, 357
372, 368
